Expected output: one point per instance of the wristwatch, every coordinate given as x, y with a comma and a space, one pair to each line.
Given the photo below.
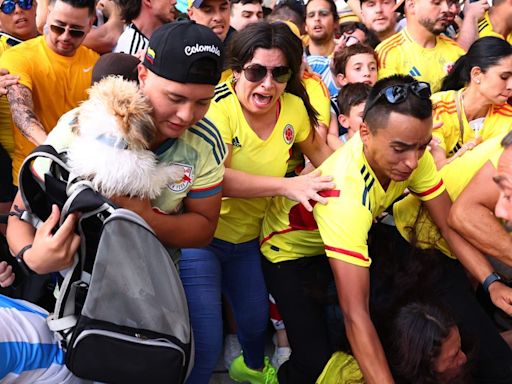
493, 277
25, 269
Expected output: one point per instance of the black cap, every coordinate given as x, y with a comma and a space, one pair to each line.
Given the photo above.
185, 52
116, 64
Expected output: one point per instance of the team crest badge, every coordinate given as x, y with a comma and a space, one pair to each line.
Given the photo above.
288, 134
185, 182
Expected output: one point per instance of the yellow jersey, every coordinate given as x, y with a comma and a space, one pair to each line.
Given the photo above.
400, 54
485, 29
320, 100
240, 218
412, 220
58, 83
450, 135
340, 228
6, 136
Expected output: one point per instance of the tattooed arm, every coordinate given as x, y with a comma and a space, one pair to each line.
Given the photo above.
22, 111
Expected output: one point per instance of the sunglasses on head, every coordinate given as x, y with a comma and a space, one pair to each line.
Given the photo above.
8, 6
257, 72
396, 94
59, 30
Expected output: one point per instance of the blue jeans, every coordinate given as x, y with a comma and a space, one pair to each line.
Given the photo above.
235, 270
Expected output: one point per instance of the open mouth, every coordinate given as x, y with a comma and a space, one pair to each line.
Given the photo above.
261, 100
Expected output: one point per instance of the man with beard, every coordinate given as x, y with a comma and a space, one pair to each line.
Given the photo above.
380, 17
420, 49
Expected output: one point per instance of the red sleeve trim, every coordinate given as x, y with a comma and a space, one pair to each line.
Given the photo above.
357, 255
207, 188
431, 190
330, 193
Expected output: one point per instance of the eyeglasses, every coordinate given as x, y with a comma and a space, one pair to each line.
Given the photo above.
257, 72
320, 12
59, 30
8, 6
396, 94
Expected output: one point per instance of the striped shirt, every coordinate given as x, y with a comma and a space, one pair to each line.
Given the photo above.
131, 41
28, 349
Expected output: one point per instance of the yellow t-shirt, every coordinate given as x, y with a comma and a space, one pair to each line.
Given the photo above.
58, 83
320, 100
497, 121
411, 219
485, 29
240, 218
400, 54
340, 228
6, 136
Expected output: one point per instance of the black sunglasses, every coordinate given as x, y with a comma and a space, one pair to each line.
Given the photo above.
59, 30
8, 6
396, 94
257, 72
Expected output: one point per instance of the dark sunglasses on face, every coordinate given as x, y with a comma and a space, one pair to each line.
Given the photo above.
396, 94
257, 72
8, 6
59, 30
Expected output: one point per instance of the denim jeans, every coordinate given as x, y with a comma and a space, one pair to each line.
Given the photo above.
235, 270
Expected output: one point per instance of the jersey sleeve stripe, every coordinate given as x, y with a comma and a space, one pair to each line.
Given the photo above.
430, 190
386, 49
205, 192
221, 96
218, 157
220, 88
357, 255
209, 127
482, 25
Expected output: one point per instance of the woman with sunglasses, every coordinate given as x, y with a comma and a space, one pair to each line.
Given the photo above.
261, 112
472, 105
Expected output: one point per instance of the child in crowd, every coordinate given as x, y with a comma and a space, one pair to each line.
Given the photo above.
351, 102
354, 64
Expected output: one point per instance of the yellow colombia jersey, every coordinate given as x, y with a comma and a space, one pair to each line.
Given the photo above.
497, 121
412, 219
199, 150
240, 218
400, 54
485, 29
340, 228
6, 137
320, 100
58, 83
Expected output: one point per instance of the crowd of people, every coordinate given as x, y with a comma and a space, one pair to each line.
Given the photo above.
346, 177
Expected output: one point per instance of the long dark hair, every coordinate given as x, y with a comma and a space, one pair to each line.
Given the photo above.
417, 335
483, 53
268, 36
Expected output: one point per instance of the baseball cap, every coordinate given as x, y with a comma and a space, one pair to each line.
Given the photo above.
185, 52
116, 64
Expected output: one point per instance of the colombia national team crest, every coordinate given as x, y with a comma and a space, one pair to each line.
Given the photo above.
288, 134
185, 181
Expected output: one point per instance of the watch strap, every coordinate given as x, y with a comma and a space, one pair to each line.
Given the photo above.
21, 262
493, 277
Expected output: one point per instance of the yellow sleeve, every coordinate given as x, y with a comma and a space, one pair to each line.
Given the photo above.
319, 98
344, 224
425, 182
17, 64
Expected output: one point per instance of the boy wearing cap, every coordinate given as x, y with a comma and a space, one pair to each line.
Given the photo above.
186, 212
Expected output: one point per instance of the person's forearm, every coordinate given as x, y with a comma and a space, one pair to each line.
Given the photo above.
480, 227
181, 231
19, 233
23, 116
104, 38
367, 348
241, 184
468, 32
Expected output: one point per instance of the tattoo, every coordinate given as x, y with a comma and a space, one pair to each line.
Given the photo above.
22, 111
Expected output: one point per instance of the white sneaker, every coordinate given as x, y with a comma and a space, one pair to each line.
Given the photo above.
281, 354
232, 349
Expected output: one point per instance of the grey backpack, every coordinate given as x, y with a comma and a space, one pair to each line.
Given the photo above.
121, 312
